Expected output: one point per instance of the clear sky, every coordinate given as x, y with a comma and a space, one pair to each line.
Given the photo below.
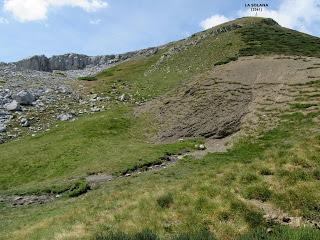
94, 27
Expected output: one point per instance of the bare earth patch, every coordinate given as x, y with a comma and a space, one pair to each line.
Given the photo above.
230, 97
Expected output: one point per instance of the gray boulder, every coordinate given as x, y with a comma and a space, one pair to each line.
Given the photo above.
13, 106
65, 117
24, 98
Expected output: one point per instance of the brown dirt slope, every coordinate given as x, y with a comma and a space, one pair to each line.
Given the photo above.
220, 102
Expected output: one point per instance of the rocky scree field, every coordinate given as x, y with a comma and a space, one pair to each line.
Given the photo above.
119, 152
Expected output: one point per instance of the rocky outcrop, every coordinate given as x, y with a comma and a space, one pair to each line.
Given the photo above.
74, 61
38, 63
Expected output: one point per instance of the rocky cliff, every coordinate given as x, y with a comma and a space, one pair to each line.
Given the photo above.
74, 61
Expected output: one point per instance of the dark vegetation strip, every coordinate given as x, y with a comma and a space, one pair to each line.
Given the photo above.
261, 233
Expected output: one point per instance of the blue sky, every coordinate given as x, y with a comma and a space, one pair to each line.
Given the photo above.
94, 27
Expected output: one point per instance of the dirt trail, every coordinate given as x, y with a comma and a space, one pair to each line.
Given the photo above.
218, 145
211, 146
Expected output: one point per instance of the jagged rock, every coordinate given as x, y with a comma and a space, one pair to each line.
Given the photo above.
38, 63
72, 61
65, 117
3, 128
13, 106
24, 122
24, 98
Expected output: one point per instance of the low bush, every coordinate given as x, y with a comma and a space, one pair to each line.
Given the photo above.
87, 78
165, 201
302, 105
78, 188
200, 235
266, 172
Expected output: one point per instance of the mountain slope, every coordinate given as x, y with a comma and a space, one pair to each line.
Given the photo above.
268, 177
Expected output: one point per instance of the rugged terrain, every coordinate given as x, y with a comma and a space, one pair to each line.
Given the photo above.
213, 136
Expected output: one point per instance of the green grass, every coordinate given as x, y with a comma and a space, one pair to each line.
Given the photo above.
278, 233
144, 79
258, 192
106, 142
302, 105
203, 192
264, 39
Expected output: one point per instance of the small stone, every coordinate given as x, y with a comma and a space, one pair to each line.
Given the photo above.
202, 147
3, 128
24, 122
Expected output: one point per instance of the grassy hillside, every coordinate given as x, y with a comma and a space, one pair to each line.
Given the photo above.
266, 39
194, 199
213, 193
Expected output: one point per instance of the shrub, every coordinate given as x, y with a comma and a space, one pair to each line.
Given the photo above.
227, 60
266, 172
108, 72
87, 78
257, 192
165, 201
302, 105
78, 188
316, 174
299, 175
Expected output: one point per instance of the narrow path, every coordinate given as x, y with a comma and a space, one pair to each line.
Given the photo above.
210, 146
